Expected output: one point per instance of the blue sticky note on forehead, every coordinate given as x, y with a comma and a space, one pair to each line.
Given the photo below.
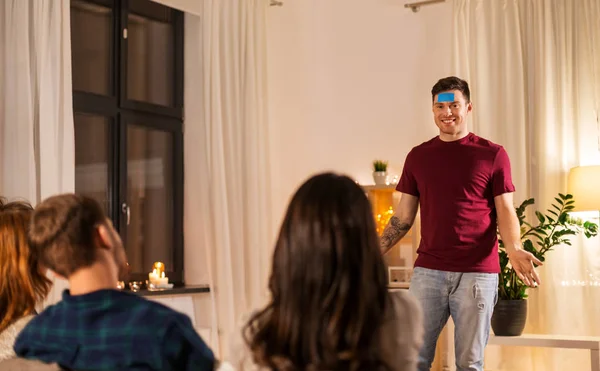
445, 97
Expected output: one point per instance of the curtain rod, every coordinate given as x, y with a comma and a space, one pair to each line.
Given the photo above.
416, 6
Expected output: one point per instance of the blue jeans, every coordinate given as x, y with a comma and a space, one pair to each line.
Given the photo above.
469, 298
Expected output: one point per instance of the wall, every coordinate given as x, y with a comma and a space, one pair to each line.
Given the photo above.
349, 81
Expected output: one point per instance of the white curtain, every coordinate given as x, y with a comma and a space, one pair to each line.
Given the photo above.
37, 140
228, 190
534, 70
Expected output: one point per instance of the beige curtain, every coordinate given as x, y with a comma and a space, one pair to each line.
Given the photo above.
534, 69
227, 195
36, 109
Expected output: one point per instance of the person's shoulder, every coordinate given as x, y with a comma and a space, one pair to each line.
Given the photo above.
140, 304
402, 333
39, 324
132, 308
51, 311
33, 322
168, 318
403, 303
20, 324
10, 334
422, 148
484, 143
161, 309
180, 341
404, 310
426, 144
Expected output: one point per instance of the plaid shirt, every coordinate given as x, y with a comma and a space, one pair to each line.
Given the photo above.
114, 330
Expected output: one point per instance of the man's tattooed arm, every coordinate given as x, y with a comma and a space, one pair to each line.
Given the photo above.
400, 223
393, 232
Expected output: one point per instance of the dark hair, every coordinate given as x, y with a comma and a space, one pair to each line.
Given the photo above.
451, 83
328, 284
63, 230
22, 282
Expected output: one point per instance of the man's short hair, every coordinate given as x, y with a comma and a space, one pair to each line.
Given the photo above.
63, 230
451, 83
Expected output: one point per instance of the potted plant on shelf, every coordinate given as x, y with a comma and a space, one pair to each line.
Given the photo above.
380, 172
553, 228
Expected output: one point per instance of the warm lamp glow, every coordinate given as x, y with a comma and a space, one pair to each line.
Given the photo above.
382, 219
584, 185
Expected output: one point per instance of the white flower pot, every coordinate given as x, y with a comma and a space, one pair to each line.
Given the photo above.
380, 177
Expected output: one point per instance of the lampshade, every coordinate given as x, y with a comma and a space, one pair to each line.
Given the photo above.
584, 185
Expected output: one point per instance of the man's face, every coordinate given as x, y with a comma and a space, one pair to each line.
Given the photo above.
118, 251
450, 111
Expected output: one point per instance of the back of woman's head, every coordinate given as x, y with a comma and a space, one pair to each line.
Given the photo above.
22, 284
328, 283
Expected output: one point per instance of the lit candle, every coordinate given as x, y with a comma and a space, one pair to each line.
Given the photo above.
153, 276
157, 277
162, 281
159, 267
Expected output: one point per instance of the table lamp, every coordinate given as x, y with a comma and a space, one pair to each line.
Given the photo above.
584, 185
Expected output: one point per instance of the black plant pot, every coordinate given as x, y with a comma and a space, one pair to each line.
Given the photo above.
509, 317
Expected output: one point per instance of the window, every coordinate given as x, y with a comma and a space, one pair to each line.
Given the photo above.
127, 61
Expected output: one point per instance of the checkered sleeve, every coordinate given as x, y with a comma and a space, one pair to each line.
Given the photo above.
184, 348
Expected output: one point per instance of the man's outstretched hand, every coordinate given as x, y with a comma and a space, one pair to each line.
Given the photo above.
523, 263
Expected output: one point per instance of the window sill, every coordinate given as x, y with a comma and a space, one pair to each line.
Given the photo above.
178, 290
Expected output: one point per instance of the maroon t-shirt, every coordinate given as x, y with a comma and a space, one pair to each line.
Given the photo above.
456, 183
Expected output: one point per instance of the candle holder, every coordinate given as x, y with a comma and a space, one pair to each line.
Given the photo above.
156, 287
135, 286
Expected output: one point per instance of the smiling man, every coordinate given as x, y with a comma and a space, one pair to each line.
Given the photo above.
463, 185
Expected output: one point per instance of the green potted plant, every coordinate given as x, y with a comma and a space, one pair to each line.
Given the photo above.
380, 172
553, 228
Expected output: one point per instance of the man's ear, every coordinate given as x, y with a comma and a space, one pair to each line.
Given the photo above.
104, 238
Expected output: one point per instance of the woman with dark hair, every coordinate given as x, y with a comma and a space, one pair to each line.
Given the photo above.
23, 284
330, 308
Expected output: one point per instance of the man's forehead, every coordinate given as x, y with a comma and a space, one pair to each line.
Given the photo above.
449, 97
445, 97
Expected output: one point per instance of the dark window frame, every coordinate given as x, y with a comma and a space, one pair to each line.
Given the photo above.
153, 11
121, 111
